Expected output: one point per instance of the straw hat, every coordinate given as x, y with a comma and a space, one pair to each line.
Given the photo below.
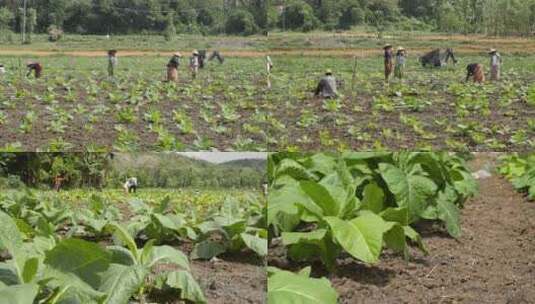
388, 45
492, 51
178, 54
401, 48
195, 52
328, 71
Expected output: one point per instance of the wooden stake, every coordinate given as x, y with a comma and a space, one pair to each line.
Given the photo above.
354, 79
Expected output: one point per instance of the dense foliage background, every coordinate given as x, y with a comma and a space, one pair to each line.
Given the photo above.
166, 170
493, 17
169, 17
137, 16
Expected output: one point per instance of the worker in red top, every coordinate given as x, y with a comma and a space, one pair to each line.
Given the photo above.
36, 68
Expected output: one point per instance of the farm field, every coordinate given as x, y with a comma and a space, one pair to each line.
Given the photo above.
75, 106
430, 109
159, 245
471, 243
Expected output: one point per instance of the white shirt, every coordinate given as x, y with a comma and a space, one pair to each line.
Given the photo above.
495, 60
2, 70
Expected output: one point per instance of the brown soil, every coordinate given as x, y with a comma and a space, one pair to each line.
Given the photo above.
492, 262
232, 280
308, 52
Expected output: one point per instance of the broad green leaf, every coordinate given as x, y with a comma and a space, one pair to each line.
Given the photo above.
255, 243
11, 239
373, 198
410, 190
121, 255
30, 269
449, 213
289, 288
8, 274
168, 255
399, 215
125, 237
81, 258
121, 282
321, 198
189, 289
361, 237
19, 294
206, 250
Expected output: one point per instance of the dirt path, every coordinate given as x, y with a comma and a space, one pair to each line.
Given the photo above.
308, 52
493, 261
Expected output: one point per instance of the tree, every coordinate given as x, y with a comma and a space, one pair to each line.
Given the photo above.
6, 17
32, 23
299, 15
241, 22
352, 14
170, 29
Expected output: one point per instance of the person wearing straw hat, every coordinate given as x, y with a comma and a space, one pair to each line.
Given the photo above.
112, 62
194, 64
327, 86
400, 63
495, 64
389, 61
2, 70
172, 67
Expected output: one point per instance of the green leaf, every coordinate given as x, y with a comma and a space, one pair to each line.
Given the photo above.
19, 294
411, 190
169, 255
189, 288
449, 213
125, 237
321, 197
361, 237
288, 288
30, 269
206, 250
373, 198
121, 282
255, 243
84, 259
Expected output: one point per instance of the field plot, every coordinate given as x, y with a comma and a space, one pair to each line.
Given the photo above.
430, 109
76, 107
460, 246
155, 235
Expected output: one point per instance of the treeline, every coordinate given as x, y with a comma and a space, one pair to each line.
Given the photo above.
491, 17
102, 170
137, 16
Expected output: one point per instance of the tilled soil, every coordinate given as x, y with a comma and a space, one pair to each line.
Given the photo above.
492, 262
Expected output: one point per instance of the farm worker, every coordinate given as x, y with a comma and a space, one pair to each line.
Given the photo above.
58, 180
202, 58
400, 62
194, 64
130, 185
112, 62
475, 71
495, 65
389, 61
269, 64
36, 68
327, 86
218, 56
269, 67
172, 67
2, 70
